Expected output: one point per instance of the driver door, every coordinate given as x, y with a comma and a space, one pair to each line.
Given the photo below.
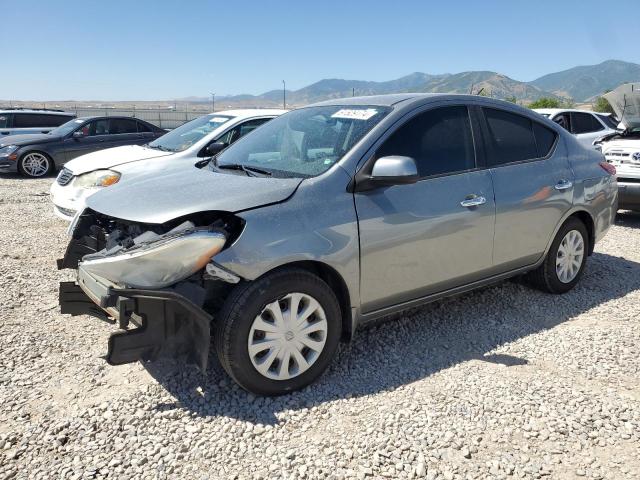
95, 137
424, 238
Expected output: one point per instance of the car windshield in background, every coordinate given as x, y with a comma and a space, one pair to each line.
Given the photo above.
66, 128
303, 143
609, 121
186, 135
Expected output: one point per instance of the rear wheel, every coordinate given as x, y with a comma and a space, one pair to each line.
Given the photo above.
35, 164
278, 333
565, 261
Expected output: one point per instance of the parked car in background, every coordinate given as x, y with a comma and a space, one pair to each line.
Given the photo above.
197, 139
585, 125
622, 148
328, 217
39, 155
21, 121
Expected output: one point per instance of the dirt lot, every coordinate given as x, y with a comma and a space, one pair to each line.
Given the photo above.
505, 382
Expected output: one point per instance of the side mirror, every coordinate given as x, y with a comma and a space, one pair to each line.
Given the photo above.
387, 171
215, 148
78, 134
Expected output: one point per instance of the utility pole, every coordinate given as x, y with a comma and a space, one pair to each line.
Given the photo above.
213, 102
284, 95
353, 92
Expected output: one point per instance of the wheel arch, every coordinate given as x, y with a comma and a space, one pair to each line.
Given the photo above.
335, 281
586, 218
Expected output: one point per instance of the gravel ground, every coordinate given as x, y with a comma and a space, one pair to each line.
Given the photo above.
505, 382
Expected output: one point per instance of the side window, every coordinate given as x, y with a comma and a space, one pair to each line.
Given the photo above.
563, 120
251, 125
23, 120
439, 140
545, 139
142, 128
57, 120
122, 125
240, 130
584, 123
96, 127
4, 120
511, 137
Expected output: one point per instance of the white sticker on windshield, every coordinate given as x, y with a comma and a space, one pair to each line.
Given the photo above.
355, 114
218, 120
79, 121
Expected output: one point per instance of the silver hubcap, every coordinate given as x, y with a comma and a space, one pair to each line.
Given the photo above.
569, 257
288, 336
35, 164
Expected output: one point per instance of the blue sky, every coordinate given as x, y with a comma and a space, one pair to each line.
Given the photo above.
148, 50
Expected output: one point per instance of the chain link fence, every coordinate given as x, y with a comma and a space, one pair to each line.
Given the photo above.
167, 119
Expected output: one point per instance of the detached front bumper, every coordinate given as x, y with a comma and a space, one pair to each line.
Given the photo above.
154, 323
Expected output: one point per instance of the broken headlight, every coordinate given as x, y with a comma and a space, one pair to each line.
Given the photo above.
97, 178
156, 261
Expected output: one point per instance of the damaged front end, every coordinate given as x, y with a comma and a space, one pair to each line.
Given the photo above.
157, 281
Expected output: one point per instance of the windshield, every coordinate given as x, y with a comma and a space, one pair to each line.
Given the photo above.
67, 128
186, 135
609, 121
305, 142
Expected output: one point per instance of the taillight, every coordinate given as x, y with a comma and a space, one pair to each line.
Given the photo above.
607, 167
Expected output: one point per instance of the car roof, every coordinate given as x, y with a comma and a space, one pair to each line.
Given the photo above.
35, 110
98, 117
553, 111
250, 112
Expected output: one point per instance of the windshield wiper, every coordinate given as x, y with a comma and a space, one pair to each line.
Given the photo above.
250, 171
158, 147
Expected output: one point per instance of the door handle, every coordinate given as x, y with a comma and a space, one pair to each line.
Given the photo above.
564, 185
473, 201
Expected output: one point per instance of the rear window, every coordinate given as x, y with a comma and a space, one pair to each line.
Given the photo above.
515, 138
584, 123
122, 125
510, 137
545, 139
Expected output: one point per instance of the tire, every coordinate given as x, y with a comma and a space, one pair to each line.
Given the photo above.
547, 276
238, 328
35, 165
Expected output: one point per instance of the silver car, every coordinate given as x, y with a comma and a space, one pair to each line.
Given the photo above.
330, 217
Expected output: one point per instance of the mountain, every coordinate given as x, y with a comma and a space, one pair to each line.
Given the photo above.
585, 82
579, 83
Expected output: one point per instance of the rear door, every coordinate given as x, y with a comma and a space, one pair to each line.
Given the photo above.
420, 239
533, 185
124, 131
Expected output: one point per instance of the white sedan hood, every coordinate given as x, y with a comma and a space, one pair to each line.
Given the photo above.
625, 101
111, 157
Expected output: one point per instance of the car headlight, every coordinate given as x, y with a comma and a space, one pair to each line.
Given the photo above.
97, 178
8, 150
158, 263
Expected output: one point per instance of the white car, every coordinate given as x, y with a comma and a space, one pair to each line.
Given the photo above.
199, 138
622, 148
585, 125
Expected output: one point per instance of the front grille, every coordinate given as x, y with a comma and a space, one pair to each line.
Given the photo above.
64, 177
66, 211
617, 154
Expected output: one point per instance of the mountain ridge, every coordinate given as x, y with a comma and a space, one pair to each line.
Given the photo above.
580, 84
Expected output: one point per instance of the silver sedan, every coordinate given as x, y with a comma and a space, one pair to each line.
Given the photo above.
330, 217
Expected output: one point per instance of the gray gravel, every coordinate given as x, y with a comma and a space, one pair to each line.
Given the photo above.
505, 382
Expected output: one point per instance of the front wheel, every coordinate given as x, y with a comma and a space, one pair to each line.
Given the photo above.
565, 261
35, 165
278, 333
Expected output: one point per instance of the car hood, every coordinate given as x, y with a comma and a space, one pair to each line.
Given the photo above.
21, 140
178, 192
625, 101
112, 157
